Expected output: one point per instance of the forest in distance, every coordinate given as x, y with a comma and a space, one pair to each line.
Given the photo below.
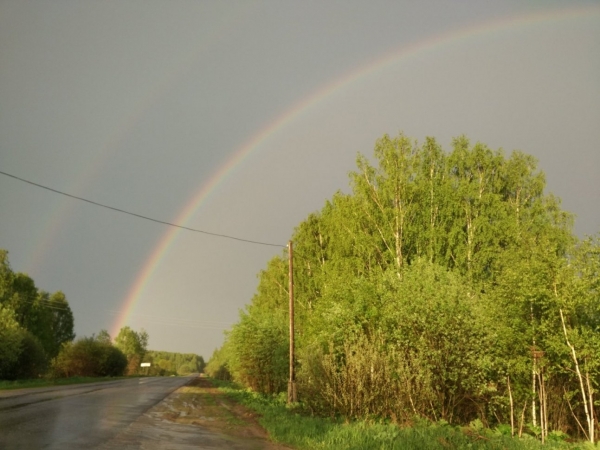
37, 339
447, 286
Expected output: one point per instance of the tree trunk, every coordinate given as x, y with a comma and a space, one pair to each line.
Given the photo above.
584, 394
512, 408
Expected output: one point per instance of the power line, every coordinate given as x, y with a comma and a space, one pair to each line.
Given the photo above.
225, 236
169, 321
59, 306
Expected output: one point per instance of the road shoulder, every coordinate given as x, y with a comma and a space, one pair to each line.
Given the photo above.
197, 415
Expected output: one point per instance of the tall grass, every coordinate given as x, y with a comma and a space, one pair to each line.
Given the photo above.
293, 426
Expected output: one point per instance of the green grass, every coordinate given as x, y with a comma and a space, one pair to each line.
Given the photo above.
291, 427
44, 382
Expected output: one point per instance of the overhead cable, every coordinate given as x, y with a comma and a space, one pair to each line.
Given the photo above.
225, 236
51, 304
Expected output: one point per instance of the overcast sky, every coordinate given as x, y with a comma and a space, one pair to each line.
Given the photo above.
139, 104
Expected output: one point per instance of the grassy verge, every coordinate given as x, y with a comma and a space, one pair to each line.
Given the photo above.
291, 427
45, 382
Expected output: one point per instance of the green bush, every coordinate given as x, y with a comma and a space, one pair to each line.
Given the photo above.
32, 361
10, 338
259, 346
113, 362
185, 369
217, 365
89, 357
289, 425
21, 353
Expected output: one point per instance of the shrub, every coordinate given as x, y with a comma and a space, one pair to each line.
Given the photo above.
32, 361
217, 365
21, 353
10, 338
89, 357
113, 362
185, 369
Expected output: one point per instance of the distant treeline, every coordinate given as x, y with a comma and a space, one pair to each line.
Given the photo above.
445, 286
37, 338
170, 363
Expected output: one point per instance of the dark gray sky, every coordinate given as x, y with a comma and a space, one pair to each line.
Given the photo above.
138, 104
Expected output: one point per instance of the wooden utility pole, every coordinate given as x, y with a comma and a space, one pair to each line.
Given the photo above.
292, 382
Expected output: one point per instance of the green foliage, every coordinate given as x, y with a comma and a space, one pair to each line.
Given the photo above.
134, 345
21, 353
259, 345
9, 341
104, 336
442, 287
185, 369
89, 357
62, 322
112, 361
292, 427
131, 342
406, 347
32, 360
171, 363
217, 367
33, 324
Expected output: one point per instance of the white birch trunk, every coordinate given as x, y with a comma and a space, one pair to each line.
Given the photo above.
584, 394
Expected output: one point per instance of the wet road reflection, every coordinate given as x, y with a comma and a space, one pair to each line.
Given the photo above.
76, 417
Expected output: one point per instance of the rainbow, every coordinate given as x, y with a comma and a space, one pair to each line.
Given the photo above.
405, 53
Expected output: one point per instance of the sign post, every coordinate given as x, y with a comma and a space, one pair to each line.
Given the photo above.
146, 364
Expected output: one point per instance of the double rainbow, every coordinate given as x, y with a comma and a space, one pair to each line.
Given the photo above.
235, 161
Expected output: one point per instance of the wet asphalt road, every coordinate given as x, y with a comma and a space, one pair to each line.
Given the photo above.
77, 416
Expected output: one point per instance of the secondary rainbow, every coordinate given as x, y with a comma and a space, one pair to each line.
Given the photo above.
302, 107
46, 237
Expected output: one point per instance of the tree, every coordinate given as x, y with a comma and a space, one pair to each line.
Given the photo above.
6, 278
450, 277
134, 345
62, 321
387, 195
33, 326
131, 342
260, 345
89, 357
103, 336
217, 366
21, 353
10, 340
48, 317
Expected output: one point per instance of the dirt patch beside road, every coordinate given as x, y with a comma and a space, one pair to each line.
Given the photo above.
200, 403
195, 416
